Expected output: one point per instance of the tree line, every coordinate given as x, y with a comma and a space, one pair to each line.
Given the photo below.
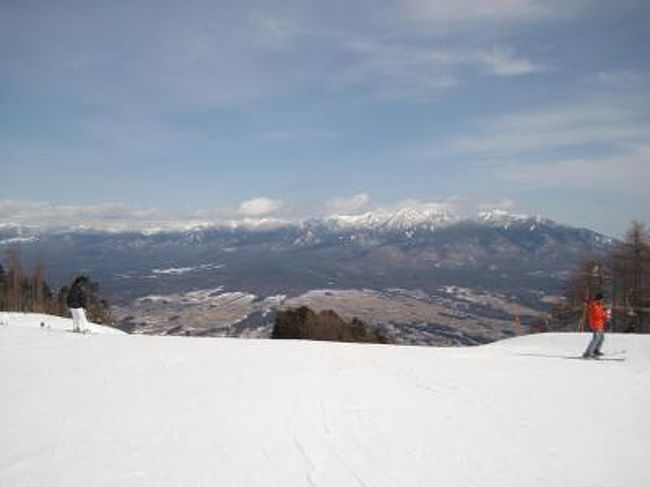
622, 276
26, 292
305, 324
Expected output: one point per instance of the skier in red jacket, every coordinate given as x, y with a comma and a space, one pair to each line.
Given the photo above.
597, 318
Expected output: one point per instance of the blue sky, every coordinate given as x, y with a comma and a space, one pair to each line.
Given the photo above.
294, 109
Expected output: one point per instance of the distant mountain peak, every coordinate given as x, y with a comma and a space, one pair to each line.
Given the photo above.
407, 220
504, 218
402, 219
500, 216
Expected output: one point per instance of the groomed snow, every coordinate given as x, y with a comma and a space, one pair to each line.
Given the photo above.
102, 410
50, 323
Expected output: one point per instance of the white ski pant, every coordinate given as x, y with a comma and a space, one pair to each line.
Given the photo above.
79, 321
595, 343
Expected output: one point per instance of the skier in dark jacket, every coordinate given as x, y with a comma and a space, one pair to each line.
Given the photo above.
77, 301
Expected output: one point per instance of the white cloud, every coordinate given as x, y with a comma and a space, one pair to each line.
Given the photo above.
623, 79
398, 71
347, 205
594, 144
503, 62
503, 204
273, 29
442, 13
258, 207
603, 122
119, 217
412, 71
207, 55
106, 216
423, 205
628, 170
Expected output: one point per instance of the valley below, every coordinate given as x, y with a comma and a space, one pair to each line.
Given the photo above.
454, 316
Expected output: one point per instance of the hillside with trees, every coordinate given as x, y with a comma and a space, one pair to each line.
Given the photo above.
304, 323
622, 276
26, 292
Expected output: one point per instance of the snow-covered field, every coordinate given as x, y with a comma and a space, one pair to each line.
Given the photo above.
50, 323
113, 410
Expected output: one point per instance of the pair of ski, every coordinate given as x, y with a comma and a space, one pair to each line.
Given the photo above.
615, 356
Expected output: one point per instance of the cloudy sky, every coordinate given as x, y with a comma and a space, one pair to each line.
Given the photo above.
291, 109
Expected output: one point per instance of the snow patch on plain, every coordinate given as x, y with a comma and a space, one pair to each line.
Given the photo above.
18, 240
213, 296
185, 270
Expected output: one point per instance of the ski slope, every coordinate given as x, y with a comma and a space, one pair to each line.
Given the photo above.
107, 410
46, 322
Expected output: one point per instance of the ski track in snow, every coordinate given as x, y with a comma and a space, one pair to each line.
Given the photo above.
311, 466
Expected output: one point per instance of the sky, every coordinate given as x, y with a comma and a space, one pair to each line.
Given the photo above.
197, 110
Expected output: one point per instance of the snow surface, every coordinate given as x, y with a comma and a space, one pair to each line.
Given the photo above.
397, 220
18, 240
408, 219
47, 322
101, 410
184, 270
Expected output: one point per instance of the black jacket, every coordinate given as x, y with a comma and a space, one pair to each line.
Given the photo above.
77, 296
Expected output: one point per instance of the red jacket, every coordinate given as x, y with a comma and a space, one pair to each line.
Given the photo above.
597, 316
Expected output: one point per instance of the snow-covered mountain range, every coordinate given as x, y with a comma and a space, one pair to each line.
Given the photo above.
404, 219
504, 258
387, 220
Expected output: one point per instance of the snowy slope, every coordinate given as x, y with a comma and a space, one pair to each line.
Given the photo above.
397, 220
98, 410
49, 323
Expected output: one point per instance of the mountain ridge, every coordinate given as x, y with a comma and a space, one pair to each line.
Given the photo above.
498, 259
403, 219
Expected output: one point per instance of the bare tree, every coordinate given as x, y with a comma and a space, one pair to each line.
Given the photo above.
571, 313
14, 280
623, 277
38, 285
630, 263
3, 288
20, 292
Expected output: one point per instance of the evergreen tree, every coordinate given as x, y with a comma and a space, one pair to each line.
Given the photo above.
303, 323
